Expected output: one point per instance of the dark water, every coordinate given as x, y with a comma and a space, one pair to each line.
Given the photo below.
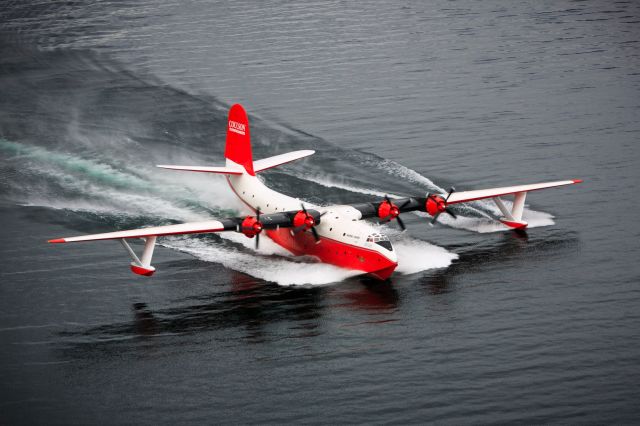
476, 327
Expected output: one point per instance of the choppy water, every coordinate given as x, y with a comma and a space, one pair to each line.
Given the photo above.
477, 326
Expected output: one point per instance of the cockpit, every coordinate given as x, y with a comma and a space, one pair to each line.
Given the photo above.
381, 240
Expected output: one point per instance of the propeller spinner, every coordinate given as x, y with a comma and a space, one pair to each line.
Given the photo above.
303, 221
252, 227
436, 205
388, 211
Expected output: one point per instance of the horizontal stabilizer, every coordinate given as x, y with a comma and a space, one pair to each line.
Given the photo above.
465, 196
156, 231
222, 170
267, 163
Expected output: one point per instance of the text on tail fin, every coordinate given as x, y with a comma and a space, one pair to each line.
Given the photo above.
238, 147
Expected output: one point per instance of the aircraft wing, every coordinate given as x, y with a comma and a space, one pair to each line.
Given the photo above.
155, 231
435, 204
466, 196
276, 160
251, 226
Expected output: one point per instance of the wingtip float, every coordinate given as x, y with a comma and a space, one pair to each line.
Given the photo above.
333, 234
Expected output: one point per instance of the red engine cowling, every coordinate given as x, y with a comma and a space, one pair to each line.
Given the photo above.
388, 211
435, 204
251, 226
303, 221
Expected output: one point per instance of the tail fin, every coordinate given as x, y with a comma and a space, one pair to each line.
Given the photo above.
238, 148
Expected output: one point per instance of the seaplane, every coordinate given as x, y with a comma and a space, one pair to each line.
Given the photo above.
335, 234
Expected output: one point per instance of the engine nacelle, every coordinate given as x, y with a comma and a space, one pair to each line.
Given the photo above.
435, 205
250, 226
388, 211
303, 221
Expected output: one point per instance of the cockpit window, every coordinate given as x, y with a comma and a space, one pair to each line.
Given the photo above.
385, 244
381, 240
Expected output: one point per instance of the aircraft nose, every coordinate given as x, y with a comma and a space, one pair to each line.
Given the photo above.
392, 256
386, 267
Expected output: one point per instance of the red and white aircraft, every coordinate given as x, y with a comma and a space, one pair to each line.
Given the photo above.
333, 234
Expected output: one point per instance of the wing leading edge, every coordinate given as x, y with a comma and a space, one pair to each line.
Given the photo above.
155, 231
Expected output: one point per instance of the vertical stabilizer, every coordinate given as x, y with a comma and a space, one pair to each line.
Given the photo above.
238, 148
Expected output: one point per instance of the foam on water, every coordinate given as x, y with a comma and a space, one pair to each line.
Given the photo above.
101, 199
286, 271
267, 246
408, 174
417, 256
97, 171
331, 183
487, 224
95, 186
273, 263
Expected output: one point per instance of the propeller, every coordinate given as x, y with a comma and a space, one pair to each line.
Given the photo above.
439, 205
306, 221
393, 211
252, 227
260, 223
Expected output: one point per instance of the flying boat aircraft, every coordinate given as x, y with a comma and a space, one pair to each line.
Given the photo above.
333, 234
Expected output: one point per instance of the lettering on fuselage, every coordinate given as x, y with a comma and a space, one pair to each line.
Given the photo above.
239, 128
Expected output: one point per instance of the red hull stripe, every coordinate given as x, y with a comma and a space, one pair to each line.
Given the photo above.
334, 252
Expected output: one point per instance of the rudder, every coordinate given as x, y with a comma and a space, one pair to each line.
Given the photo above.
238, 145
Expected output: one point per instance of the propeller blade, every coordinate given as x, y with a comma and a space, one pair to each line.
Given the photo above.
401, 223
435, 218
449, 212
404, 204
315, 234
312, 227
451, 191
258, 234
